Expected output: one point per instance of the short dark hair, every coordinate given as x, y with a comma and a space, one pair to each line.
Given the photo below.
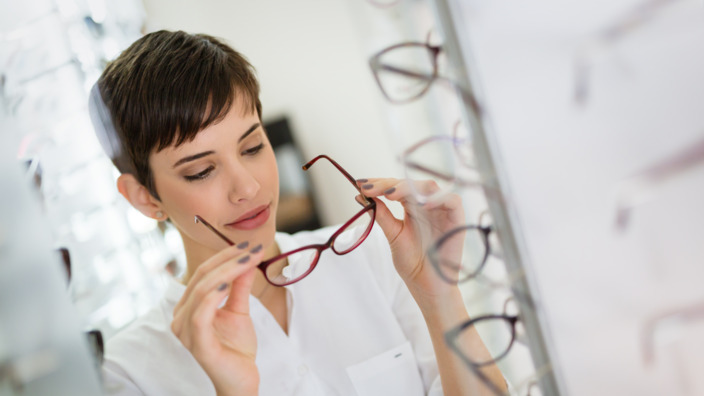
166, 87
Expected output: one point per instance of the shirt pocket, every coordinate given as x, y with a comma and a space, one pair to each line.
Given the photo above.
394, 372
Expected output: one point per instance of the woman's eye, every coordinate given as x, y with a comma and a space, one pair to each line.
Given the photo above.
253, 150
200, 175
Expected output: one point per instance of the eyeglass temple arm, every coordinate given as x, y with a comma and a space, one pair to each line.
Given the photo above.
205, 223
340, 168
407, 73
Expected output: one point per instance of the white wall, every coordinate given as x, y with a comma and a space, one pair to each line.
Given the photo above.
312, 67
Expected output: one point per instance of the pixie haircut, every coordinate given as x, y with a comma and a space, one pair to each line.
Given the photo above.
165, 88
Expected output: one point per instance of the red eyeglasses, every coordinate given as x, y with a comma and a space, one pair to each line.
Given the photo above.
291, 267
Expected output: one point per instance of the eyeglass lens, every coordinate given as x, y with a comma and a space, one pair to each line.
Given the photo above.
353, 234
292, 267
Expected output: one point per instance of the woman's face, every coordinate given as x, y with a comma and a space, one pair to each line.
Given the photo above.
228, 176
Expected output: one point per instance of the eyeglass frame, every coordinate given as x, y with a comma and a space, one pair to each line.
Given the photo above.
369, 205
456, 141
453, 334
376, 65
484, 232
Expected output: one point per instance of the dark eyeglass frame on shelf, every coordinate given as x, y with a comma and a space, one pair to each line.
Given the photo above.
485, 231
432, 253
452, 341
369, 205
376, 65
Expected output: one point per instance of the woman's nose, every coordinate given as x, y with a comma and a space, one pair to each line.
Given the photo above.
244, 186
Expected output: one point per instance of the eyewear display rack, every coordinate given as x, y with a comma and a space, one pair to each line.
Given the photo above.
506, 226
589, 128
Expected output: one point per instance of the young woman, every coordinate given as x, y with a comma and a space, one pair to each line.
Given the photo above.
180, 116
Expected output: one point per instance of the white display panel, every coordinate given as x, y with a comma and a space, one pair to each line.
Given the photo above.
566, 142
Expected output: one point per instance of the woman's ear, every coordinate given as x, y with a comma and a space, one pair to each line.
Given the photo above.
139, 197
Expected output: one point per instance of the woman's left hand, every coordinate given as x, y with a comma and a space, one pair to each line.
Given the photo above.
422, 225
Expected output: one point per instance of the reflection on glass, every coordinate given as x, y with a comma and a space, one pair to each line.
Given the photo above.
643, 186
674, 320
609, 36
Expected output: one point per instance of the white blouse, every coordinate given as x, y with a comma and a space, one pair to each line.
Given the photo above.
354, 329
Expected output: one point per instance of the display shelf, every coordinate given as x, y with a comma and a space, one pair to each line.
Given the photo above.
498, 193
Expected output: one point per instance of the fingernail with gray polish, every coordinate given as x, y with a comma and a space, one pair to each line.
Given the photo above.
367, 186
256, 249
222, 286
362, 180
243, 259
390, 191
242, 245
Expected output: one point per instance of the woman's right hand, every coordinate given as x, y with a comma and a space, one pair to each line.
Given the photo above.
222, 339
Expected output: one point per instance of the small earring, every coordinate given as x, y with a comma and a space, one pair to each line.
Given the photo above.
159, 215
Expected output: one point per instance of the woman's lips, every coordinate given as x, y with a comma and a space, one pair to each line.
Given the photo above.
252, 220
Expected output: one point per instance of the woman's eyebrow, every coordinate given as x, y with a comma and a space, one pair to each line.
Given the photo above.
249, 131
205, 153
192, 158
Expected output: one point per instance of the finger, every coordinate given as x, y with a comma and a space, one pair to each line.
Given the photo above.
238, 299
449, 206
207, 266
376, 187
440, 211
406, 191
218, 278
192, 322
403, 191
223, 274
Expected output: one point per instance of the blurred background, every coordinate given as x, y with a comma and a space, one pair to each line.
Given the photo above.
592, 129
